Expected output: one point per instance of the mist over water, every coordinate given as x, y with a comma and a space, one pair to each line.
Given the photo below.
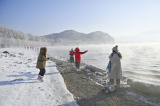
140, 60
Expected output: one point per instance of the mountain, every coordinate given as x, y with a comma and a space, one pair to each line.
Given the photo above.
68, 34
12, 38
74, 37
9, 37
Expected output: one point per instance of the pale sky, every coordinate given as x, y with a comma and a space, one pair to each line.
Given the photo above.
115, 17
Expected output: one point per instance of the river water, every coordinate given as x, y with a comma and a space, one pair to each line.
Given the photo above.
140, 60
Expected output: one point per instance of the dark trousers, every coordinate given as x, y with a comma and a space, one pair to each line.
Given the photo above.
42, 71
71, 59
111, 81
77, 65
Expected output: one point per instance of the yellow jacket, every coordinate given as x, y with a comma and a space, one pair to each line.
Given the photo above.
41, 61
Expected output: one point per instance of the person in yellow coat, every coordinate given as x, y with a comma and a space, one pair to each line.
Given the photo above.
41, 62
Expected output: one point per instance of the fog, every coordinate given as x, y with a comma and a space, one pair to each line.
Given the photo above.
140, 60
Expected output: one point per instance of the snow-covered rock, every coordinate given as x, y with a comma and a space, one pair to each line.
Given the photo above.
143, 86
94, 69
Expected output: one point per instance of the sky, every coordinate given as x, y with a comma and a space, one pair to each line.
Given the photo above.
118, 18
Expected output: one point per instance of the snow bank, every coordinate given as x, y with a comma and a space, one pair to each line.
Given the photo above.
19, 85
143, 86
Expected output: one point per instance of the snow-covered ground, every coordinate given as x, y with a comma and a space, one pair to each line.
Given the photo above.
19, 85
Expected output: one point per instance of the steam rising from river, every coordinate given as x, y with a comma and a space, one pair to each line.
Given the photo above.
140, 60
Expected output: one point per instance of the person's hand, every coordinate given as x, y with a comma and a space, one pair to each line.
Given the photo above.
48, 58
86, 50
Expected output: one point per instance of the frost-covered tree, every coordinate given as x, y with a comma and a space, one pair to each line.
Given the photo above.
17, 38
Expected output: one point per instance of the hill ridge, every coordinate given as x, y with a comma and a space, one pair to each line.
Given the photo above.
96, 37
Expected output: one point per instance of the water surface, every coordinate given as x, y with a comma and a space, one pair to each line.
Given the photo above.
140, 60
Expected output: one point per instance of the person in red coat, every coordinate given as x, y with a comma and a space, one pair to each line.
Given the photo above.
77, 54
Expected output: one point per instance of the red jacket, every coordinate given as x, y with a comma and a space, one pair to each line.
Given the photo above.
77, 54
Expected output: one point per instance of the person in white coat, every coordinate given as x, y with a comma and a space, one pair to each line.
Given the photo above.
115, 71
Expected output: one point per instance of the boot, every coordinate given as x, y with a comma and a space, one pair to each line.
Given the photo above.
39, 77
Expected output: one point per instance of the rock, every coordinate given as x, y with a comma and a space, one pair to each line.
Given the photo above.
20, 53
145, 87
94, 69
59, 63
98, 73
88, 71
19, 63
107, 86
106, 91
12, 55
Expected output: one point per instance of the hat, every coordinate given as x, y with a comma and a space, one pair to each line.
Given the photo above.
115, 48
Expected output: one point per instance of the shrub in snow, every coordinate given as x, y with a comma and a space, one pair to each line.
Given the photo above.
6, 52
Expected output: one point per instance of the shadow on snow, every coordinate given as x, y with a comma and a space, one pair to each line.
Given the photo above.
31, 78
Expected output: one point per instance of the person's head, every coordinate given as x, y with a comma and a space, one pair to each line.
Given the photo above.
77, 49
43, 51
115, 49
72, 49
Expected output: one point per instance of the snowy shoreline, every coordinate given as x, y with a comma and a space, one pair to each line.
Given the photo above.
19, 85
136, 84
87, 88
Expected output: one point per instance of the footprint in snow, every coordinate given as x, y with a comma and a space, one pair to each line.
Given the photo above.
40, 89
